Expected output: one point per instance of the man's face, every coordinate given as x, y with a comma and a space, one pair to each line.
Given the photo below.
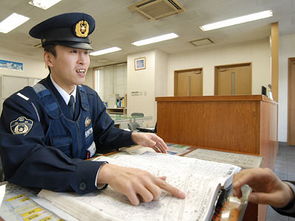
69, 66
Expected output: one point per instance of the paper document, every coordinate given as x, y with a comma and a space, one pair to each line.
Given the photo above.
2, 192
18, 205
199, 179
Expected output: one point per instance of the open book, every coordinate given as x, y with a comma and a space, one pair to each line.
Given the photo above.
200, 180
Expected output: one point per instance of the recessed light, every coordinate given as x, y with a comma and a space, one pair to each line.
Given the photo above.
44, 4
237, 20
155, 39
12, 21
105, 51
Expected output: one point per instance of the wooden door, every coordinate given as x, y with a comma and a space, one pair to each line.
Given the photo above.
188, 82
224, 81
233, 80
243, 80
291, 102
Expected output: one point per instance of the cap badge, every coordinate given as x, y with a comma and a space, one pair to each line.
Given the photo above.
21, 125
82, 29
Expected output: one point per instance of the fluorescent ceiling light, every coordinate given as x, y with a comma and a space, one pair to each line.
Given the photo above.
105, 51
11, 22
237, 20
155, 39
44, 4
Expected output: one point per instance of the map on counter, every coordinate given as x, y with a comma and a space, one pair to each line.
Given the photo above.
244, 161
18, 204
178, 149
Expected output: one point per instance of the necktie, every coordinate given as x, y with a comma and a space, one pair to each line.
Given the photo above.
71, 106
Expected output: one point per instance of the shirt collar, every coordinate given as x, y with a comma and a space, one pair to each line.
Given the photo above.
63, 93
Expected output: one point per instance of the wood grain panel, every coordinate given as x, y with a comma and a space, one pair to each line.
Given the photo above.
221, 124
268, 133
245, 124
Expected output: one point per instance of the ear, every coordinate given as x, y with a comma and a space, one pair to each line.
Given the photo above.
48, 59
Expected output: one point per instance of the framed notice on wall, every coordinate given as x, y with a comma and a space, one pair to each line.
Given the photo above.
139, 63
11, 65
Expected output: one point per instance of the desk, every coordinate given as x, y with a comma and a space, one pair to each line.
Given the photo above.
123, 120
117, 110
32, 195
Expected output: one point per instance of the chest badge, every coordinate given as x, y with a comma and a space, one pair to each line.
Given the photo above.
87, 121
21, 125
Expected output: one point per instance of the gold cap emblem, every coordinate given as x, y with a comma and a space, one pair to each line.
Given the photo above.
82, 29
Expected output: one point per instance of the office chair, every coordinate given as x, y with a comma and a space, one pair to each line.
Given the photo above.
133, 125
136, 114
148, 130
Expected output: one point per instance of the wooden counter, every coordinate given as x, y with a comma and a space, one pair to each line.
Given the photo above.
243, 124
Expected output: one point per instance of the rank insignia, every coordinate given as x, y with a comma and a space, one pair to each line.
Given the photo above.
87, 121
82, 29
21, 125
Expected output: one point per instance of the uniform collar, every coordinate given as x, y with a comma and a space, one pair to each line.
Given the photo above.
63, 93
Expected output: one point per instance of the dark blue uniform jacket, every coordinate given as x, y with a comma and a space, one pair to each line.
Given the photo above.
288, 210
41, 147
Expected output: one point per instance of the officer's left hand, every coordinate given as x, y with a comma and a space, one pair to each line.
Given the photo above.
150, 140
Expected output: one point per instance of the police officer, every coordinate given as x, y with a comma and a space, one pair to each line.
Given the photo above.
48, 130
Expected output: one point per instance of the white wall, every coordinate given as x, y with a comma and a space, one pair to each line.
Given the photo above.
144, 85
287, 50
141, 85
32, 68
255, 52
161, 74
161, 78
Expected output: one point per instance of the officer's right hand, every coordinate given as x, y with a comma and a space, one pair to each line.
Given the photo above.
138, 185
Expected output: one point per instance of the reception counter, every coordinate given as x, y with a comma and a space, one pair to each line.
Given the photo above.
242, 124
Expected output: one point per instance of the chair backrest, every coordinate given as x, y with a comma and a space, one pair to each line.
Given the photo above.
135, 114
133, 125
155, 130
148, 130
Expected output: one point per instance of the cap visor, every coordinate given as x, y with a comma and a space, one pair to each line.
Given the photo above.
79, 45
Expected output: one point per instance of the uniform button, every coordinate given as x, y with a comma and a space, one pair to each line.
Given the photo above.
82, 186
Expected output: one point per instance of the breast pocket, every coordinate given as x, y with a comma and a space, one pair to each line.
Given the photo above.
63, 143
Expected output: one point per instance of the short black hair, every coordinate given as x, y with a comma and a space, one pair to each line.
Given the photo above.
50, 48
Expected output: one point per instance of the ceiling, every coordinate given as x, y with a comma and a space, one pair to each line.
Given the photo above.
117, 26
